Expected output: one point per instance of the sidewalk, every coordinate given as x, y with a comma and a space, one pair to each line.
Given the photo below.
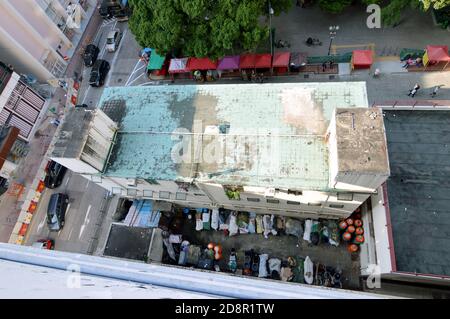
10, 206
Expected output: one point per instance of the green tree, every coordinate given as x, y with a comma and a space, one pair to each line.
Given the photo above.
435, 4
202, 27
334, 6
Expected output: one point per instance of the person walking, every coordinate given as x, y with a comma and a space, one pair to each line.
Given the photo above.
324, 66
414, 90
436, 90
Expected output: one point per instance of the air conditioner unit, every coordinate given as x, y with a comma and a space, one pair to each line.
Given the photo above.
269, 193
131, 182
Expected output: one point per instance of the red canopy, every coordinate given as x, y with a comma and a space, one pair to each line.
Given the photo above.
438, 53
362, 58
247, 61
201, 64
263, 61
281, 59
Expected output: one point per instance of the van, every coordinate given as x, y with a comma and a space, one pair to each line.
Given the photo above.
56, 211
98, 72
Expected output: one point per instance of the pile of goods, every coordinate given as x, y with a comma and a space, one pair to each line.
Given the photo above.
352, 231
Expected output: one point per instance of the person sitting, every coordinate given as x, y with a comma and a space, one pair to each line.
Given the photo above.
408, 63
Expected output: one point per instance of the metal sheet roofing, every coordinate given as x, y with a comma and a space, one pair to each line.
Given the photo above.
273, 134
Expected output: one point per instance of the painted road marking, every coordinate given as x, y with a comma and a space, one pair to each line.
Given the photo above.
41, 224
86, 221
116, 54
70, 234
67, 182
136, 78
134, 71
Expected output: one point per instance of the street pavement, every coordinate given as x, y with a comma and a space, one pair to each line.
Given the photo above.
86, 200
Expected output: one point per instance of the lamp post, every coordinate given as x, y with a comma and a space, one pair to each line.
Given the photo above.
333, 30
271, 12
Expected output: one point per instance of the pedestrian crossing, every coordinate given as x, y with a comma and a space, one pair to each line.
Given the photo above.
108, 21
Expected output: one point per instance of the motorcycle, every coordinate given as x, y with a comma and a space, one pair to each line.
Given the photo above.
312, 42
282, 44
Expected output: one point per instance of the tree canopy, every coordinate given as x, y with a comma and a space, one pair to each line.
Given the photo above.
202, 28
391, 12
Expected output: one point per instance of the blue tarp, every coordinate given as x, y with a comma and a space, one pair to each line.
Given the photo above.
141, 214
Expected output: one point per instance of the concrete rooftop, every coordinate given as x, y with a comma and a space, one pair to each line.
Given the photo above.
270, 134
419, 189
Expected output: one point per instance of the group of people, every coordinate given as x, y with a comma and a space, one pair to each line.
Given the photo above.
328, 64
416, 88
416, 62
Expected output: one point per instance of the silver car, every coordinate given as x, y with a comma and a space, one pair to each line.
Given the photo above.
113, 40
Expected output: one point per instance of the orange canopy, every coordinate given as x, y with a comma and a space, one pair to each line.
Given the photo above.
438, 53
362, 58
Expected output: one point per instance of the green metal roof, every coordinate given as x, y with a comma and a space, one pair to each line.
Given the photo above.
276, 135
156, 61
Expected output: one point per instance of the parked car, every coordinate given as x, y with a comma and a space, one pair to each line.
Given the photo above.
98, 73
113, 40
55, 174
56, 211
90, 54
81, 105
44, 244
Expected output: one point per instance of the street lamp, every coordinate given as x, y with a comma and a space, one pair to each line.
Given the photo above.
333, 30
271, 12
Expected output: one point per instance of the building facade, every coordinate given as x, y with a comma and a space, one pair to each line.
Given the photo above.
283, 148
20, 105
38, 37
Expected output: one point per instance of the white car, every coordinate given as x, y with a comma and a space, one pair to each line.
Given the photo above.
113, 40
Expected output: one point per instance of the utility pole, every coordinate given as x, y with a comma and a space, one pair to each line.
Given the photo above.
271, 12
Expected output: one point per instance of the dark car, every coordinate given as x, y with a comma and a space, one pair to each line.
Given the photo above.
90, 54
98, 73
55, 174
56, 211
81, 105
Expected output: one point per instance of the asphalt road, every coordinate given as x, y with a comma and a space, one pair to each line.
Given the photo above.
122, 62
85, 202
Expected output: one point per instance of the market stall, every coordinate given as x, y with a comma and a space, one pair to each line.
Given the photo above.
178, 66
157, 65
202, 68
229, 64
436, 56
260, 63
362, 59
280, 63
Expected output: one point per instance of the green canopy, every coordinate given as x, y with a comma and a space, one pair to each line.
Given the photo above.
156, 61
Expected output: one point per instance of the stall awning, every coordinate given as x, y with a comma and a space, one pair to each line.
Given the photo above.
281, 59
362, 58
156, 61
201, 64
438, 53
178, 65
247, 61
263, 61
229, 63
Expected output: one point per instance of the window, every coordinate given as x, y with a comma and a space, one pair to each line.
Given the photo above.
116, 190
294, 192
272, 201
252, 199
181, 195
96, 178
164, 195
314, 204
345, 196
336, 206
199, 194
289, 202
147, 193
131, 192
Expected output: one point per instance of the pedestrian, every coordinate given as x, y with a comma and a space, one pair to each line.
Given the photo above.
324, 66
330, 64
435, 90
414, 90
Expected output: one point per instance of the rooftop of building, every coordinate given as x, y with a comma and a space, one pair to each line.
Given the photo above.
72, 133
419, 189
361, 141
270, 135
